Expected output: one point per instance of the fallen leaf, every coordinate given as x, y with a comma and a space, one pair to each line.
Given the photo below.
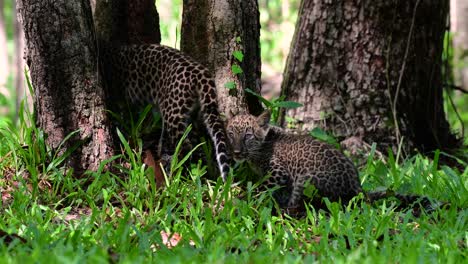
170, 240
148, 159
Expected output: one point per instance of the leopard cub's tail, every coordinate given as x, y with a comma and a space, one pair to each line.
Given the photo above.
214, 125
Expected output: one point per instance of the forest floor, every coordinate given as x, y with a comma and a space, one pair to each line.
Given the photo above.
48, 216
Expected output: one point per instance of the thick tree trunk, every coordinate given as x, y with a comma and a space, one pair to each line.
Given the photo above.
356, 65
212, 30
63, 66
459, 27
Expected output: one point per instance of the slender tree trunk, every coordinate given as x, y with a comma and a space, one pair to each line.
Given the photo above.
143, 21
19, 65
459, 27
93, 5
4, 65
371, 70
63, 66
212, 30
122, 22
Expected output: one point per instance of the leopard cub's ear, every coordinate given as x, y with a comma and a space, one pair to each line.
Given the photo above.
263, 120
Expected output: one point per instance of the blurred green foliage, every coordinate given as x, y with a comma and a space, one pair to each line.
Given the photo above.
278, 20
8, 13
455, 102
170, 18
7, 98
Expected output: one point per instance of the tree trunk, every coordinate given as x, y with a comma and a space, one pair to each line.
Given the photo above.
121, 22
4, 66
67, 92
19, 65
93, 5
459, 27
371, 70
212, 30
143, 21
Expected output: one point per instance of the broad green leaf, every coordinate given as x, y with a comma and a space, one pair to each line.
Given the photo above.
236, 69
263, 100
238, 55
321, 135
230, 85
287, 104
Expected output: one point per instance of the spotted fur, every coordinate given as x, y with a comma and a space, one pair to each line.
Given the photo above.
295, 160
177, 86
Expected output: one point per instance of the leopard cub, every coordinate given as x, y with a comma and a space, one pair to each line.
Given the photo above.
292, 160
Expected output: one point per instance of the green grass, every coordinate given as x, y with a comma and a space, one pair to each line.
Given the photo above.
120, 218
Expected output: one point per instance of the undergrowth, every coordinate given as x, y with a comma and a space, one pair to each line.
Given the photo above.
104, 217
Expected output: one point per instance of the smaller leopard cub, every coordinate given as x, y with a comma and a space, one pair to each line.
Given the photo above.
292, 160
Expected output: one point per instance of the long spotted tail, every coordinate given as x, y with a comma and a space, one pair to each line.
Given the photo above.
214, 124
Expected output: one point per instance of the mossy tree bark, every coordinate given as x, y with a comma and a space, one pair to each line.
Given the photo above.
212, 30
68, 95
370, 71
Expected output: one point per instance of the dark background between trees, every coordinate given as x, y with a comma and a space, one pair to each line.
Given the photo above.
365, 71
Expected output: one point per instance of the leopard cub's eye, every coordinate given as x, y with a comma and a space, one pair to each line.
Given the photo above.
249, 135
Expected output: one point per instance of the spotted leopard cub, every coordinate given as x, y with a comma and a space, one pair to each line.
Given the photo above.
176, 85
295, 160
292, 160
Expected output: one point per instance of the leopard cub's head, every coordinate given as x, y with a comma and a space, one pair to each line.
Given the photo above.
246, 134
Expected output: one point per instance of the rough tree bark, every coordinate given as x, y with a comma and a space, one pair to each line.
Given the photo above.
356, 65
211, 31
67, 92
459, 27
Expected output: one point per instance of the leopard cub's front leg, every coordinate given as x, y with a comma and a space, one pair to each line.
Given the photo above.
280, 178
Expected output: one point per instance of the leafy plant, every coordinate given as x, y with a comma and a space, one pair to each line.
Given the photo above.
274, 105
235, 68
320, 134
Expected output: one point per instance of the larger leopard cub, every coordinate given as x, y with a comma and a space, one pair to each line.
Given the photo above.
295, 160
175, 84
